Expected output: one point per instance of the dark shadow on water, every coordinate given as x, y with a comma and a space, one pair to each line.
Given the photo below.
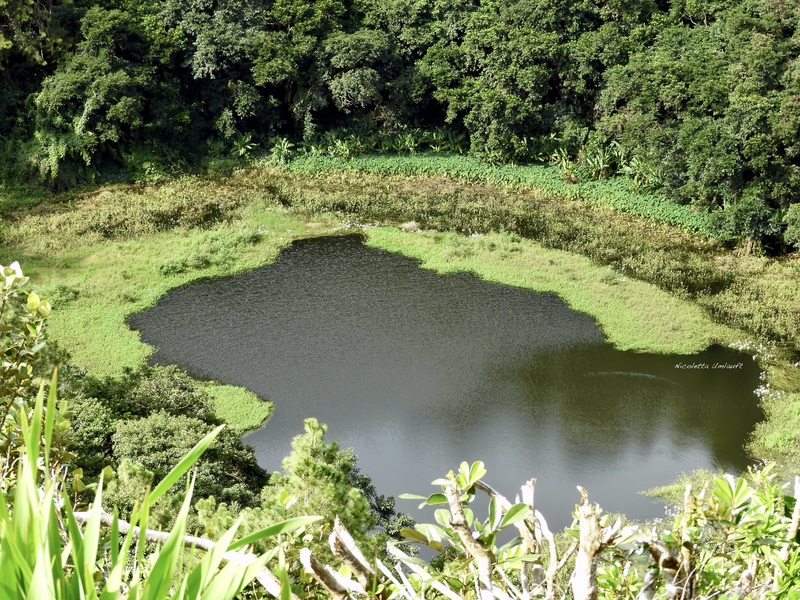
418, 371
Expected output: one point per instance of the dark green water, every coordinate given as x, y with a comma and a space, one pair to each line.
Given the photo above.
417, 371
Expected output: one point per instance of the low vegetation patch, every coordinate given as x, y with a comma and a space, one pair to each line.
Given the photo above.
241, 409
634, 315
598, 259
756, 294
616, 192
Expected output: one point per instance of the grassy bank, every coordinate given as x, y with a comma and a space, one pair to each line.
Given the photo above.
753, 293
104, 255
634, 315
615, 192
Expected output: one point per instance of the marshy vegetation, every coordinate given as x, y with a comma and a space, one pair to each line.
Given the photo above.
639, 158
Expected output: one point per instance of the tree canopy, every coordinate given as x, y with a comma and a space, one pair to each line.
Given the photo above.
695, 98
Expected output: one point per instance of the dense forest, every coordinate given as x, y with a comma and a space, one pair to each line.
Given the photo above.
698, 99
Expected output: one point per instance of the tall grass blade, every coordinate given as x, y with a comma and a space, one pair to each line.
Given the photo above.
287, 526
183, 466
50, 416
158, 582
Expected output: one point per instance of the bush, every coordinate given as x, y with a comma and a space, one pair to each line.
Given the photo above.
792, 219
48, 547
228, 471
748, 218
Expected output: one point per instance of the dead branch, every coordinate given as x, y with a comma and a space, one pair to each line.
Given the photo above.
474, 550
791, 534
422, 573
591, 542
338, 586
344, 546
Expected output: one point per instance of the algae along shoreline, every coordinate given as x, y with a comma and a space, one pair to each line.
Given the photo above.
106, 254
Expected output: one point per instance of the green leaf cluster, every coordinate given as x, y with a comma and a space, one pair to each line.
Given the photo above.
48, 550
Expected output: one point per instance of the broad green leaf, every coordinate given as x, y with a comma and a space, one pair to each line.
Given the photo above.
432, 532
413, 534
476, 472
50, 416
184, 465
91, 539
159, 580
494, 514
469, 515
33, 301
442, 516
412, 497
287, 526
201, 576
435, 499
286, 586
514, 514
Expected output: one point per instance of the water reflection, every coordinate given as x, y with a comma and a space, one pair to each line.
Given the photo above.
418, 371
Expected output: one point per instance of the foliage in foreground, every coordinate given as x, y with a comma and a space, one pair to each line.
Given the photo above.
50, 550
736, 538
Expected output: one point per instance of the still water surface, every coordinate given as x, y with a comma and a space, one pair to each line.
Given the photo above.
418, 371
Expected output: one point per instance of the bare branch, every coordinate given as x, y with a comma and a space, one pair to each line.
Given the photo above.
650, 584
478, 553
791, 534
584, 577
338, 586
344, 546
423, 574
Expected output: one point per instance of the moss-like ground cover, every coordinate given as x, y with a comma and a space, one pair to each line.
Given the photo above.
102, 256
634, 315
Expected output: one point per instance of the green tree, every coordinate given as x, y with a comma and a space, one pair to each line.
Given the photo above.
93, 104
355, 63
228, 471
792, 218
323, 479
286, 64
708, 101
317, 478
167, 388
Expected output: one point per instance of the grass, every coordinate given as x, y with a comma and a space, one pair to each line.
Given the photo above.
109, 254
755, 294
615, 192
634, 315
241, 409
98, 270
673, 493
95, 288
101, 256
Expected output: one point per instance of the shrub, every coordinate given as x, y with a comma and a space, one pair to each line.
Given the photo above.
792, 219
